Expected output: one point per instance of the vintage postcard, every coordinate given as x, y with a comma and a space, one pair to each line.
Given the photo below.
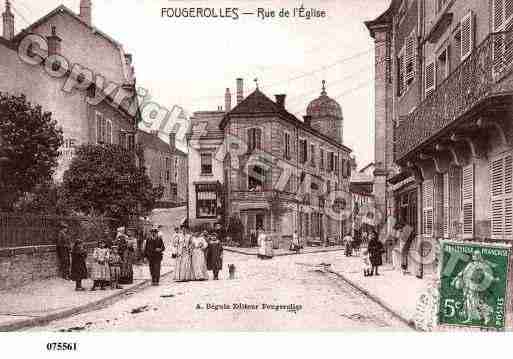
249, 166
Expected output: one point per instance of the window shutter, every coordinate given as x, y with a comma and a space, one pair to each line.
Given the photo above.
508, 197
446, 205
501, 197
410, 62
428, 207
430, 77
498, 14
455, 199
467, 35
108, 132
99, 137
468, 201
400, 75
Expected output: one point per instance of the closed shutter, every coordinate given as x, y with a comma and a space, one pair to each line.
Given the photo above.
501, 197
108, 131
446, 205
468, 201
467, 35
400, 76
428, 207
409, 58
430, 78
455, 200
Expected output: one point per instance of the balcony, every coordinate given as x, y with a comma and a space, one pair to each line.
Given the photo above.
480, 83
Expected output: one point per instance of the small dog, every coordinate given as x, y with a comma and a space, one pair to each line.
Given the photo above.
231, 271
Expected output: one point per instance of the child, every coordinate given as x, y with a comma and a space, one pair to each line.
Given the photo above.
78, 265
366, 263
115, 268
100, 272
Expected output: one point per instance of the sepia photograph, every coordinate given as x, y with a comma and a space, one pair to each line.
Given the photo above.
171, 166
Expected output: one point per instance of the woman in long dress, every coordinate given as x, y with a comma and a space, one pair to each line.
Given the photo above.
265, 244
183, 264
199, 265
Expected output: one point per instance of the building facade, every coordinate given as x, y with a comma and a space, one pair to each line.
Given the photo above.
86, 115
165, 166
443, 118
206, 177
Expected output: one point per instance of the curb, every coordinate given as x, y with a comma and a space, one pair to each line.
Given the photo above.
283, 254
84, 308
377, 300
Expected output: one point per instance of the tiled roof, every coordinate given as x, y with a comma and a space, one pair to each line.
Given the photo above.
257, 102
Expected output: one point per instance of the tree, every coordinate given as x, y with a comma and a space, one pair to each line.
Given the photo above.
106, 180
29, 146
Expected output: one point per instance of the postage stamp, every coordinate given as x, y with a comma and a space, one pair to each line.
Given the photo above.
473, 283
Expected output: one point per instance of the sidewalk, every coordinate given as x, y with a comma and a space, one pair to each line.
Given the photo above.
284, 252
43, 301
398, 293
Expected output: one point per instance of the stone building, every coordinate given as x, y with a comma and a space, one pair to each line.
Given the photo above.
278, 173
206, 177
444, 161
72, 37
165, 166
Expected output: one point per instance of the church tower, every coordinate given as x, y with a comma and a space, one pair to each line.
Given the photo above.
326, 115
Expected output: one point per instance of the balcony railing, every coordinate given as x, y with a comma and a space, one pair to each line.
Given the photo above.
474, 80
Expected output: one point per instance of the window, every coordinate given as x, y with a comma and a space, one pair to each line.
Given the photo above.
312, 156
131, 142
287, 145
122, 139
206, 163
331, 164
303, 151
406, 63
321, 163
206, 200
168, 169
256, 178
501, 194
103, 129
442, 65
254, 139
503, 43
335, 164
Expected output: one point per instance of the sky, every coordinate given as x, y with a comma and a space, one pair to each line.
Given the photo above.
191, 62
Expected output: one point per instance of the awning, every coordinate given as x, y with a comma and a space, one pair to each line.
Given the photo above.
399, 177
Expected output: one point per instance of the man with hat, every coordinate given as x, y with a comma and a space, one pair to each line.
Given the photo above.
153, 252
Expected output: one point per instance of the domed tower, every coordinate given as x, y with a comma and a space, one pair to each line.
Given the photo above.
326, 115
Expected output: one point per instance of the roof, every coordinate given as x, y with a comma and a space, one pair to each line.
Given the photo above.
324, 106
257, 103
364, 168
385, 19
152, 141
64, 9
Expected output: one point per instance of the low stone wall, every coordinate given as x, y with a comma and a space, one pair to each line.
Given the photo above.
22, 265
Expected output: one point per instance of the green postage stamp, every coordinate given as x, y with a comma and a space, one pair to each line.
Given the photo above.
473, 283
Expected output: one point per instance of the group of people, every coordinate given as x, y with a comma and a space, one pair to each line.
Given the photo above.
196, 254
111, 265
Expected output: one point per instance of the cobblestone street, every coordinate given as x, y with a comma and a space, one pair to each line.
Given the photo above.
327, 303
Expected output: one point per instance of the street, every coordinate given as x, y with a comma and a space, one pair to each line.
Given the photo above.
323, 301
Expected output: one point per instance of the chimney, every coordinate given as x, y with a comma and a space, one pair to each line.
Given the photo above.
240, 90
227, 100
280, 100
307, 120
8, 21
86, 9
54, 43
172, 141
